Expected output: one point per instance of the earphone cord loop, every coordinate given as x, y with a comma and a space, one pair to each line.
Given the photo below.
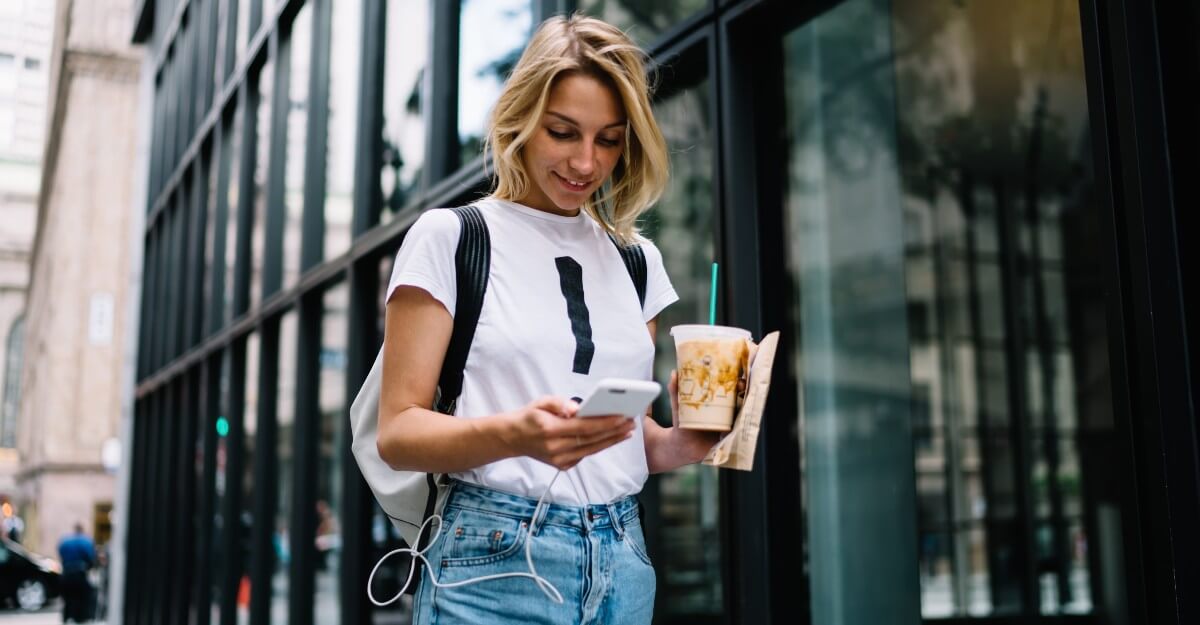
543, 584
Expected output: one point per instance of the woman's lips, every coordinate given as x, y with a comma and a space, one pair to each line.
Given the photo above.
573, 188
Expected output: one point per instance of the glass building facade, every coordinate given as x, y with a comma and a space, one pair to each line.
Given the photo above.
965, 217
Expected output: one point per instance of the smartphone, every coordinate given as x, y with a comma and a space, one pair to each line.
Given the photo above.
619, 396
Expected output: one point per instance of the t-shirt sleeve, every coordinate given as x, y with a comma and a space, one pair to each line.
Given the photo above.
426, 257
659, 292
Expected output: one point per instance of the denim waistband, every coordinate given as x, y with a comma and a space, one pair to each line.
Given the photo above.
591, 516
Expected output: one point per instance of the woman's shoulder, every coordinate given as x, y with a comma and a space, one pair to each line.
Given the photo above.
439, 223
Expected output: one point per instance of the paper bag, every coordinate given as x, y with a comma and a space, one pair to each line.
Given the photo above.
736, 449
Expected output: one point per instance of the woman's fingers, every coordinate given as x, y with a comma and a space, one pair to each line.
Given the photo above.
571, 458
582, 440
556, 406
586, 426
555, 437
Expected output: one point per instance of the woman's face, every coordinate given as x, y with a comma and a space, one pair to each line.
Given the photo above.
577, 144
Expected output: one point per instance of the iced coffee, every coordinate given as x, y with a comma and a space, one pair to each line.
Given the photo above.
711, 359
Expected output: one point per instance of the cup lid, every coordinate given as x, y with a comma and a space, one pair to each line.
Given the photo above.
696, 330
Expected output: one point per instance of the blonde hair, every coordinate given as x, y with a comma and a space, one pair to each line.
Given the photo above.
563, 46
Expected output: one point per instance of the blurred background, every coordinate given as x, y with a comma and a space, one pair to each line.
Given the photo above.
966, 218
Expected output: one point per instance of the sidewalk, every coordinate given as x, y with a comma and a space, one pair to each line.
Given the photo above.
45, 617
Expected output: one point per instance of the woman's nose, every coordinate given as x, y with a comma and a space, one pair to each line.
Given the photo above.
583, 161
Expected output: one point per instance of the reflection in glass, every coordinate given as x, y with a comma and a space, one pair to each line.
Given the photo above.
212, 157
845, 237
345, 44
492, 38
222, 33
245, 521
243, 28
332, 402
385, 274
266, 84
405, 54
231, 159
1017, 506
285, 459
297, 138
200, 456
217, 420
681, 225
642, 20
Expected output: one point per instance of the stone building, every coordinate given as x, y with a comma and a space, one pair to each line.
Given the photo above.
25, 33
75, 339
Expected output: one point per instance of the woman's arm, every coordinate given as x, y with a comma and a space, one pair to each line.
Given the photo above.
673, 447
414, 437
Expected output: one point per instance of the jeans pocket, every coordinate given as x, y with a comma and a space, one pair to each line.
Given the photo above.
636, 539
476, 537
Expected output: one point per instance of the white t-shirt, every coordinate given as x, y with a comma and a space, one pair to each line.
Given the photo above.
526, 343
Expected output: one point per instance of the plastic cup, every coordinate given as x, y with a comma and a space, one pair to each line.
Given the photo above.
711, 359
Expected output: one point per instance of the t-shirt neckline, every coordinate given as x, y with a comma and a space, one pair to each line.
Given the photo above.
539, 214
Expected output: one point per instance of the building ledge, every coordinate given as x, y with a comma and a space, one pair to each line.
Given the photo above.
35, 471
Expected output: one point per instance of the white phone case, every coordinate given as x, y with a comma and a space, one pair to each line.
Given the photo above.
619, 396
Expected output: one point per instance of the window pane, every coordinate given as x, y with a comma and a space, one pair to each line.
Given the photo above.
231, 154
285, 461
333, 422
219, 8
243, 28
681, 224
642, 20
219, 420
405, 53
345, 48
245, 523
492, 38
201, 424
297, 139
213, 229
266, 84
940, 170
11, 389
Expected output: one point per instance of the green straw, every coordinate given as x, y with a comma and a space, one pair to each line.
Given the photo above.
712, 299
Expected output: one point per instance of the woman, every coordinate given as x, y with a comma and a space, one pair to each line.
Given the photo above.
578, 157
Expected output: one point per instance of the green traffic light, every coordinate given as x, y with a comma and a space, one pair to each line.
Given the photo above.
222, 426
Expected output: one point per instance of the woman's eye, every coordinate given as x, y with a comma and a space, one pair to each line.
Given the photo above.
558, 135
608, 142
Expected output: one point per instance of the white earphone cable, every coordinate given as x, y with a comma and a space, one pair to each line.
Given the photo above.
543, 584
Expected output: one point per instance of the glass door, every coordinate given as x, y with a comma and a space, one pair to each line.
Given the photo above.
946, 325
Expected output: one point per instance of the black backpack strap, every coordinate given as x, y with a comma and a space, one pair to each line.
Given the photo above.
634, 258
472, 261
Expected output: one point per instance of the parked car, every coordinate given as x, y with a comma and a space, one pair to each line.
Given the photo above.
27, 580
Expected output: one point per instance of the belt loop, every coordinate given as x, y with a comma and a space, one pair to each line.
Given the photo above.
539, 517
617, 523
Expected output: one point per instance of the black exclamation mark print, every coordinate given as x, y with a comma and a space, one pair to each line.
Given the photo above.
570, 277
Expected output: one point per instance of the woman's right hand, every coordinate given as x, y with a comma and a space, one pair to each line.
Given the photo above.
548, 430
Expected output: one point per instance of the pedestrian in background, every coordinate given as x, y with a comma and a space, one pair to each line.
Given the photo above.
78, 555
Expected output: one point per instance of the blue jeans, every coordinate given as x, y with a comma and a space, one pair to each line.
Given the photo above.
595, 556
